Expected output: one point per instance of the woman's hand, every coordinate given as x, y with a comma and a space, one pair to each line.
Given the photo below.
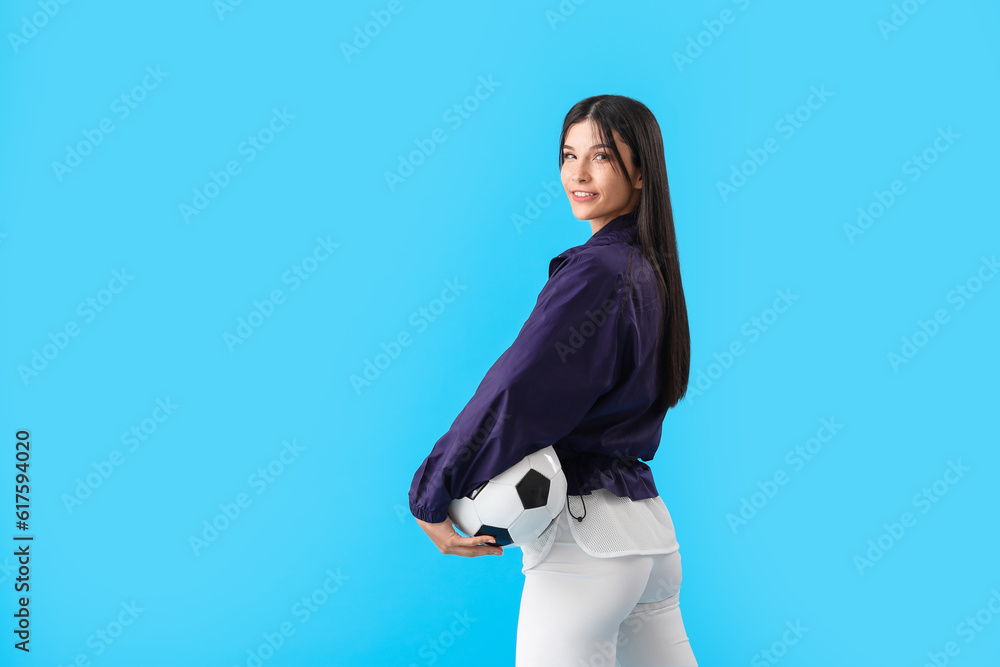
450, 542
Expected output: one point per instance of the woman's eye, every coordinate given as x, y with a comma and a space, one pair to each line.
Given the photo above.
569, 155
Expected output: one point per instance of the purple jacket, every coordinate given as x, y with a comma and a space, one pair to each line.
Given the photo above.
580, 376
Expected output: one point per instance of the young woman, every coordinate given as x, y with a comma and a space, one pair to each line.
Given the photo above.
603, 355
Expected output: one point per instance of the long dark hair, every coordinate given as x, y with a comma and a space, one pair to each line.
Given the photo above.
655, 235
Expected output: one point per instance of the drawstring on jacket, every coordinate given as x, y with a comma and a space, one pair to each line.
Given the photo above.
631, 460
578, 518
576, 476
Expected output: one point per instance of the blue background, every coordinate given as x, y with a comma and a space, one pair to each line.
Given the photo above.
338, 506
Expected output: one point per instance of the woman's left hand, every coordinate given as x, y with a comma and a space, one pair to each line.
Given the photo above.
443, 534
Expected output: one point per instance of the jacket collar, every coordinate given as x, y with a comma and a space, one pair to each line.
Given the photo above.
618, 229
609, 233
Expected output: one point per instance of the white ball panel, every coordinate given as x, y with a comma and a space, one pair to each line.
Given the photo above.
545, 461
499, 505
530, 525
557, 494
464, 515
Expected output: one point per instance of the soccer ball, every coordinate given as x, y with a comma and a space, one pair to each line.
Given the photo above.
517, 505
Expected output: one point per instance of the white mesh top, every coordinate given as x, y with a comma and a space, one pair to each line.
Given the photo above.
612, 526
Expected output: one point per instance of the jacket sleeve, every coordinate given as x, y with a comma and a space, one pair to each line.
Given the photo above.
562, 360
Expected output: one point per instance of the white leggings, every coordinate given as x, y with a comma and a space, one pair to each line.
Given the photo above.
578, 610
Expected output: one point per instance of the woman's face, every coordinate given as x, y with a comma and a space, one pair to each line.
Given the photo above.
587, 168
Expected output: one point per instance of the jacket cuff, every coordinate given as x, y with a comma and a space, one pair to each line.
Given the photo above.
427, 514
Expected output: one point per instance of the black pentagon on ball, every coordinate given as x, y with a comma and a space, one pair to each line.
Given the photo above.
502, 536
533, 489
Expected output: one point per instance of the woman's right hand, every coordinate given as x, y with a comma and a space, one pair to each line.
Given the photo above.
449, 542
